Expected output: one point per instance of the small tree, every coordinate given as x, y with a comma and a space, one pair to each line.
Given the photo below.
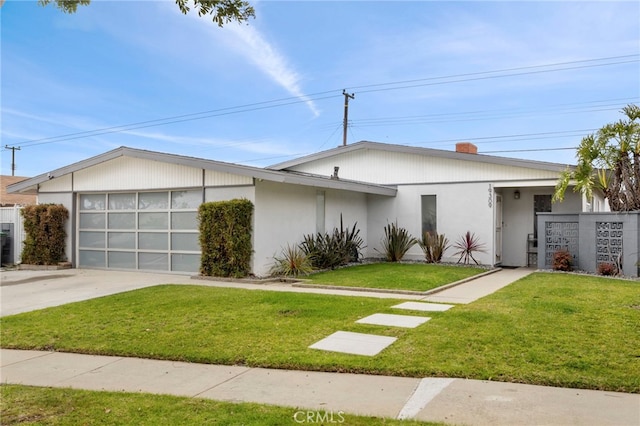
221, 11
609, 160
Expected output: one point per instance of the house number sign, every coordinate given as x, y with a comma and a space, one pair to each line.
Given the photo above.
490, 202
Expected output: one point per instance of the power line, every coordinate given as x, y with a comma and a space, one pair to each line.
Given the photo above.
406, 84
306, 98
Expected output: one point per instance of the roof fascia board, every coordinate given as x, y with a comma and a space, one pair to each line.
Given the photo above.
265, 174
438, 153
255, 172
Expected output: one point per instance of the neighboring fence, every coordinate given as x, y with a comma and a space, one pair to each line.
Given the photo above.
592, 239
11, 225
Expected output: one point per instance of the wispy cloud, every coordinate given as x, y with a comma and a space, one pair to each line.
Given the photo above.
266, 57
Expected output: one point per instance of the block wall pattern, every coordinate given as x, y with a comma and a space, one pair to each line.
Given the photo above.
560, 236
608, 241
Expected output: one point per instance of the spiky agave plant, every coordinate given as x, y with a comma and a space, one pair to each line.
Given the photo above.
396, 242
434, 245
467, 245
292, 263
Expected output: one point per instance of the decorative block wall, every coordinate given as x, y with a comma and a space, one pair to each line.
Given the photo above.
592, 239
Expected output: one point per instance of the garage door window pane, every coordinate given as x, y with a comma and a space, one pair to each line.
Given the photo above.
122, 240
92, 221
186, 242
185, 262
153, 261
122, 260
92, 202
153, 200
122, 220
184, 220
92, 258
153, 220
92, 239
152, 241
186, 199
122, 201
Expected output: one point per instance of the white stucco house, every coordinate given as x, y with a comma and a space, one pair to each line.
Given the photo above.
136, 209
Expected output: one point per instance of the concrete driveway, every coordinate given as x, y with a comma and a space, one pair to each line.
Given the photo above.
23, 291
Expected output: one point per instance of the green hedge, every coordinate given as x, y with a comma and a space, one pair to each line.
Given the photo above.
225, 238
45, 235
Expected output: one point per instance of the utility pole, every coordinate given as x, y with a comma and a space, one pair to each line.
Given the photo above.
346, 115
13, 158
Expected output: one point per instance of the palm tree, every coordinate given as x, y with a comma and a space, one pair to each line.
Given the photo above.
609, 160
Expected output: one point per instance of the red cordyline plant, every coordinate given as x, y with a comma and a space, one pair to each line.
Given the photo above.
467, 245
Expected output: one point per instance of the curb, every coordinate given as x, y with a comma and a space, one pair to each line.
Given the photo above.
400, 292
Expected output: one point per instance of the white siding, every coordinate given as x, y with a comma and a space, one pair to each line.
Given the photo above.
215, 178
286, 213
229, 193
283, 215
126, 173
460, 208
374, 166
57, 184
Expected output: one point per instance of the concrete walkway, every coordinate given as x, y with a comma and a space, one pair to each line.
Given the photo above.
455, 401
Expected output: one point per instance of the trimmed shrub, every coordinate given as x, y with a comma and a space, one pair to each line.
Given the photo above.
467, 245
562, 261
433, 245
225, 238
45, 234
396, 242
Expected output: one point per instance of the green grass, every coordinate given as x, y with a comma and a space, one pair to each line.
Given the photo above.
547, 329
396, 276
35, 405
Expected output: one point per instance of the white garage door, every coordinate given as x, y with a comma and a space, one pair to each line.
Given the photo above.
153, 231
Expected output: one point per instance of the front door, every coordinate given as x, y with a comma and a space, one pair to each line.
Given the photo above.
498, 241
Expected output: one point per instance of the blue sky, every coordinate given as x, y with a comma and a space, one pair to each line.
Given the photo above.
507, 76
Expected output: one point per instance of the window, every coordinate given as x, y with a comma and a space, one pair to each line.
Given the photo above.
429, 214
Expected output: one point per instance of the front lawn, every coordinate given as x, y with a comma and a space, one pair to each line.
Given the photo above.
395, 276
37, 405
548, 329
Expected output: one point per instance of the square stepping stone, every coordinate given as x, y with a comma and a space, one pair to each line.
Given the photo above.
354, 343
425, 307
406, 321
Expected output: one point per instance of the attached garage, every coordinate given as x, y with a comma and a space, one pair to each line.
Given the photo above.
156, 231
133, 209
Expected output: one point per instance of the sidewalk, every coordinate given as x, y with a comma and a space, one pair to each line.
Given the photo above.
454, 401
457, 401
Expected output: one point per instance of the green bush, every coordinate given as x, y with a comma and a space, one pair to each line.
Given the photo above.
292, 262
396, 242
45, 235
433, 245
225, 238
327, 251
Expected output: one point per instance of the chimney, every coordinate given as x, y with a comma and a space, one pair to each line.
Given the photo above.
466, 148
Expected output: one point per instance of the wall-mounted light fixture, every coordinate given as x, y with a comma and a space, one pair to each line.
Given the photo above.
516, 194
